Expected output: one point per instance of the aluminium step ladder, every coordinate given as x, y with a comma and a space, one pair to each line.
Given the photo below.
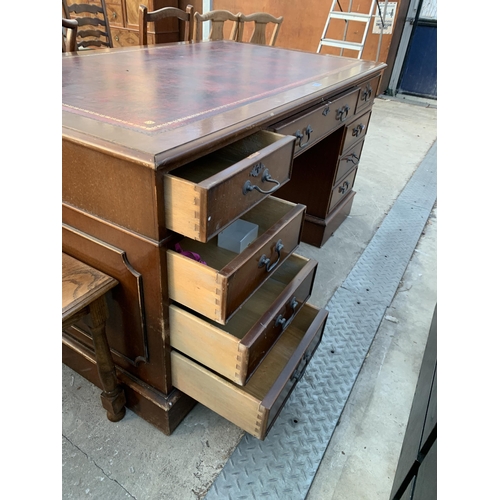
348, 16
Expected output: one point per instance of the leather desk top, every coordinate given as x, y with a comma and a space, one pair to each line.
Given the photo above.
146, 102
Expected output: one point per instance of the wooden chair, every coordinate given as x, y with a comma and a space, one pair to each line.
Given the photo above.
217, 18
83, 294
94, 31
146, 17
261, 20
69, 31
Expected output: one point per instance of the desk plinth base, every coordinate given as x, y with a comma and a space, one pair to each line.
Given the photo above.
163, 411
317, 231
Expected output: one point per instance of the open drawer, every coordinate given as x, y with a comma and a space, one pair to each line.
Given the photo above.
220, 287
255, 406
206, 195
236, 349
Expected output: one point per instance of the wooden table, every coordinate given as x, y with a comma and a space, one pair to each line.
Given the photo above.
132, 117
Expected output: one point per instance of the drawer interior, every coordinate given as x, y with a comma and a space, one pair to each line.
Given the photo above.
212, 164
271, 367
267, 213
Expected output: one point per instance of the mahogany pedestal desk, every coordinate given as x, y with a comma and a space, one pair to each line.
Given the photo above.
166, 146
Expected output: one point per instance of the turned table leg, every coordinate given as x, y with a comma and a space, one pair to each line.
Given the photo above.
113, 396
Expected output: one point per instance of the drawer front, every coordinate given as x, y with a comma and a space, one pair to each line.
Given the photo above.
348, 161
205, 196
218, 288
342, 189
236, 349
356, 130
367, 93
115, 14
124, 38
255, 407
309, 128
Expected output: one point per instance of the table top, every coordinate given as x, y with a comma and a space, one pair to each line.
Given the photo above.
150, 102
81, 285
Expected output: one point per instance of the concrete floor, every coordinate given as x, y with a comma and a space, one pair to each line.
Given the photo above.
132, 459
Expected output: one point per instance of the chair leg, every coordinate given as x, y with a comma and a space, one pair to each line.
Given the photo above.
113, 396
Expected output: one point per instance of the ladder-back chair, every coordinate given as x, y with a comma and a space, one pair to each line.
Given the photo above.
146, 17
93, 25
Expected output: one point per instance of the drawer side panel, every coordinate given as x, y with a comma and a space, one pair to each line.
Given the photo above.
217, 394
207, 344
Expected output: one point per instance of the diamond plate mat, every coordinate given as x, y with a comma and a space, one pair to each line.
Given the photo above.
284, 465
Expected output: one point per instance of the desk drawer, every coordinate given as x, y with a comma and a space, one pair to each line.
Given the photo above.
310, 127
355, 131
348, 161
220, 287
255, 406
114, 13
367, 93
236, 349
342, 189
206, 195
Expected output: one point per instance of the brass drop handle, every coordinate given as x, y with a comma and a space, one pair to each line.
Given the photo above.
356, 131
342, 113
266, 177
266, 261
344, 187
281, 320
308, 131
367, 93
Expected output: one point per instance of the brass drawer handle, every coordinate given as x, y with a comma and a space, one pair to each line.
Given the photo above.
281, 320
266, 261
342, 113
266, 177
308, 131
356, 131
344, 187
367, 93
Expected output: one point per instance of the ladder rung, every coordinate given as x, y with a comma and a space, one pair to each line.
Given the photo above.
351, 16
342, 44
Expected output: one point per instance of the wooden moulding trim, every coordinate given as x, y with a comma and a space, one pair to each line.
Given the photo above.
70, 247
102, 146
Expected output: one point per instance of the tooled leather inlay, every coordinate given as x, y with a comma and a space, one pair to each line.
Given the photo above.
163, 87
